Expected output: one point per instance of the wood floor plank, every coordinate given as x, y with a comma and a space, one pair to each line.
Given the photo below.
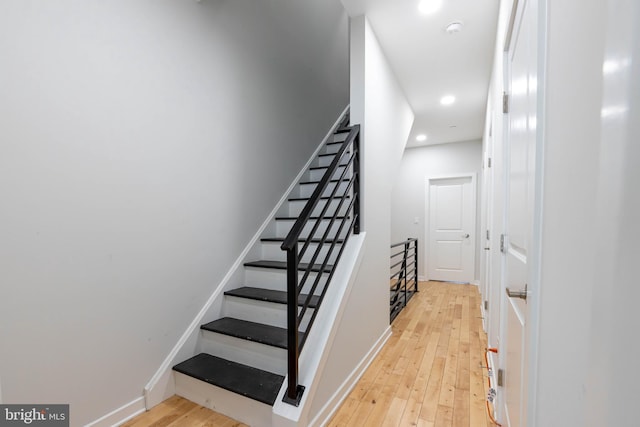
430, 401
444, 416
361, 413
394, 414
342, 416
381, 406
411, 412
163, 414
451, 365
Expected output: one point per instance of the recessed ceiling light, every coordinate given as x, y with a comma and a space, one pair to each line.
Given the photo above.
454, 27
447, 100
429, 6
421, 137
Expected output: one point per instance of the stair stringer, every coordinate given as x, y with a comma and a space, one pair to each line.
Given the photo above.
162, 385
320, 340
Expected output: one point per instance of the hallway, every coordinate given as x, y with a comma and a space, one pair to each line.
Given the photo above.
430, 372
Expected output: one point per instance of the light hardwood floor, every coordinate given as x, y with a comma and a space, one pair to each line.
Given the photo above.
179, 412
430, 373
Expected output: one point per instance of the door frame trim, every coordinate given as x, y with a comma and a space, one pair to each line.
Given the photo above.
427, 219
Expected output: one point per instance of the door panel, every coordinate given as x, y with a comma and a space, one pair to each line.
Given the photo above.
451, 213
520, 182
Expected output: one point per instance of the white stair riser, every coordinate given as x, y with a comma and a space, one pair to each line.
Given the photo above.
295, 207
331, 149
250, 353
317, 174
243, 409
272, 251
340, 136
267, 313
275, 279
308, 189
283, 227
326, 160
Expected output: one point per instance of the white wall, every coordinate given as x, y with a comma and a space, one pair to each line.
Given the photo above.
612, 384
142, 144
378, 103
409, 189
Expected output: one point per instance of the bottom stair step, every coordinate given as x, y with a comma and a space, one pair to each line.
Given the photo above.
245, 380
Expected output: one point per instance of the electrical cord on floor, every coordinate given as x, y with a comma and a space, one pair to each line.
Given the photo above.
492, 392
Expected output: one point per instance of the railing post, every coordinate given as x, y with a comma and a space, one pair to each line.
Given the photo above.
404, 270
294, 390
415, 242
356, 184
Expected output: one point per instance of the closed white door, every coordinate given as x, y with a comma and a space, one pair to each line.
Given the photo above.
520, 206
452, 216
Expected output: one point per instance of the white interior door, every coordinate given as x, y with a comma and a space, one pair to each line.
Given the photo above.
452, 218
520, 185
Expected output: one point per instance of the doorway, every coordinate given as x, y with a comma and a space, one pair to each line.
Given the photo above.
451, 218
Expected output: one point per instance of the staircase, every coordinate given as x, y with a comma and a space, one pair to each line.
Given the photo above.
244, 356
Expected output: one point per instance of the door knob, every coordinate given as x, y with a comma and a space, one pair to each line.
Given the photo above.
465, 236
517, 294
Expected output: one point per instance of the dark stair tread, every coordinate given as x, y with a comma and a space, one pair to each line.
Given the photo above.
300, 240
269, 295
245, 380
282, 265
294, 218
325, 167
326, 154
318, 181
301, 199
250, 331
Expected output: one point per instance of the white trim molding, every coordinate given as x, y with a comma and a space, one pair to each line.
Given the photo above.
120, 415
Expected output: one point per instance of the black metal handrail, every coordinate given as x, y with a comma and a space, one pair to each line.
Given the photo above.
341, 214
404, 274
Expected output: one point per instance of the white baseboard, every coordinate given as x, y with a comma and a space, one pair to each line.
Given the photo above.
350, 382
161, 386
120, 415
422, 278
475, 282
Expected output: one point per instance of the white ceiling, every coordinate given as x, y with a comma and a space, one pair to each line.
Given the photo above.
429, 63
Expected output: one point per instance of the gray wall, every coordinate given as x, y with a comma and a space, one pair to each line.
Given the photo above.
141, 146
409, 189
